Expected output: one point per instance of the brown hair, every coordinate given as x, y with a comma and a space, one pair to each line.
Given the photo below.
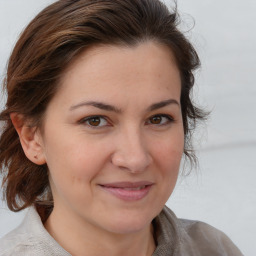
55, 37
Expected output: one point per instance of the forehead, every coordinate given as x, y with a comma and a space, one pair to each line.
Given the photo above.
146, 53
111, 70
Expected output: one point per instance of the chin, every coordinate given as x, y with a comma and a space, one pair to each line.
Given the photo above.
129, 224
128, 228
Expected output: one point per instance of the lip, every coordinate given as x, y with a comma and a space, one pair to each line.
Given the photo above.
128, 191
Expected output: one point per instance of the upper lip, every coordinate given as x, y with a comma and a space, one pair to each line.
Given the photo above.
127, 184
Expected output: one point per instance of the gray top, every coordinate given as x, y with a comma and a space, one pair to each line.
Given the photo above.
174, 237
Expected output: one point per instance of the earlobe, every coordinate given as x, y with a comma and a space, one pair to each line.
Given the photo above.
30, 139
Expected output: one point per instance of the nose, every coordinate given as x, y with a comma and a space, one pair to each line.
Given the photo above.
131, 152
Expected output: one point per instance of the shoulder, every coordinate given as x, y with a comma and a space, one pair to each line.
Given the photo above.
199, 238
208, 239
16, 242
198, 229
30, 238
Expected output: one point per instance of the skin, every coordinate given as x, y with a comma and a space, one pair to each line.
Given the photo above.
130, 142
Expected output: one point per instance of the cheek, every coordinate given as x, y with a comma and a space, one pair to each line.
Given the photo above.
167, 160
170, 150
69, 162
72, 173
167, 156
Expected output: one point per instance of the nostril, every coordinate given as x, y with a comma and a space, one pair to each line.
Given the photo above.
130, 151
133, 162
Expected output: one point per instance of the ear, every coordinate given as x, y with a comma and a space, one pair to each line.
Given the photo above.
30, 139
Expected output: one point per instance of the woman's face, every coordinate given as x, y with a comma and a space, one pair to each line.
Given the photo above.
113, 137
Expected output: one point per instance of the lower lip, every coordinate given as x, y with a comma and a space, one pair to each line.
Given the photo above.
128, 195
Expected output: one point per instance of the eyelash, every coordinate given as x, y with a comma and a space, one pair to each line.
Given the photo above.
85, 121
169, 119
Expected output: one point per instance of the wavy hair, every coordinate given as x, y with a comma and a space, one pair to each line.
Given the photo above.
55, 37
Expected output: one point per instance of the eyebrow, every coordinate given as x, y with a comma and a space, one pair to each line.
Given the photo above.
108, 107
162, 104
96, 104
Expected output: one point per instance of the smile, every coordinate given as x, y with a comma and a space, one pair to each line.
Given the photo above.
128, 191
138, 188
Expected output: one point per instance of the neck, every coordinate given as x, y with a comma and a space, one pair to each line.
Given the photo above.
82, 238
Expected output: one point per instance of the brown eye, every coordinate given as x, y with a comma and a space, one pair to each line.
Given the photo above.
156, 119
94, 121
160, 120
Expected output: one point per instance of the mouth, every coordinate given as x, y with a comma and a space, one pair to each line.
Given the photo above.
128, 191
134, 189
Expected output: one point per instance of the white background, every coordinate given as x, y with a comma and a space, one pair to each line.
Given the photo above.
223, 191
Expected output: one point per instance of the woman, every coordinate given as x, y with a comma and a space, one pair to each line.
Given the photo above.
97, 119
